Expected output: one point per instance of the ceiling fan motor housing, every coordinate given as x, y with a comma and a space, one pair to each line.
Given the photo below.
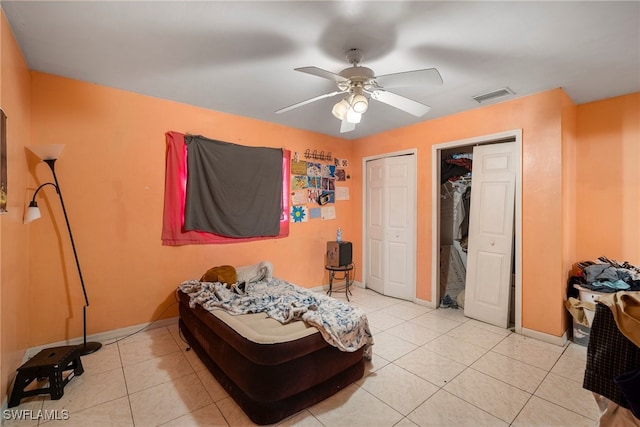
356, 76
358, 73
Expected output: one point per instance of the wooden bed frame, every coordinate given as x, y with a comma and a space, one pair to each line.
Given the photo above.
271, 370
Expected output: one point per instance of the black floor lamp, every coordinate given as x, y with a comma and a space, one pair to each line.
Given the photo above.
49, 154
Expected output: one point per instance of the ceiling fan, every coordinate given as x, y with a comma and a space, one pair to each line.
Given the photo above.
359, 84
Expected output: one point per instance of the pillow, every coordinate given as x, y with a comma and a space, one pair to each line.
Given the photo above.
256, 272
224, 274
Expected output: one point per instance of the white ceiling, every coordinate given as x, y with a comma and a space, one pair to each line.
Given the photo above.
238, 56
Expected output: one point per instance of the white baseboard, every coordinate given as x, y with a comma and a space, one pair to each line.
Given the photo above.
319, 288
104, 337
425, 303
326, 286
551, 339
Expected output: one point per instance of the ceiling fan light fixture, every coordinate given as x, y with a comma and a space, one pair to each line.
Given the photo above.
359, 103
353, 116
358, 84
340, 109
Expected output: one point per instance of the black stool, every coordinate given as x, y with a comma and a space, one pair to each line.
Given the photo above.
346, 269
49, 363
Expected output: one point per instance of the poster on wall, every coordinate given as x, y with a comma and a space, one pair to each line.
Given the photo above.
314, 169
328, 184
342, 193
329, 195
313, 194
341, 163
328, 171
314, 182
3, 162
328, 212
299, 197
299, 214
298, 168
298, 182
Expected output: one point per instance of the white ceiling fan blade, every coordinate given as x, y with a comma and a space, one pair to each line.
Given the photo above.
308, 101
428, 76
322, 73
405, 104
346, 126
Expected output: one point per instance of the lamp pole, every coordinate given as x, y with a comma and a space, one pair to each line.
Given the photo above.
87, 347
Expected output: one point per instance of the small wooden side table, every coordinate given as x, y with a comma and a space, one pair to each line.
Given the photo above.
346, 270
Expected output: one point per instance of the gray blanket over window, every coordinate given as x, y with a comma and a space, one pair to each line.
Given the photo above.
232, 190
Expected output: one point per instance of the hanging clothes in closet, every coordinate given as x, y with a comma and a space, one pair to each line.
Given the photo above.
457, 171
456, 191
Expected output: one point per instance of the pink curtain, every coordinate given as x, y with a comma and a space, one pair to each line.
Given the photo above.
174, 197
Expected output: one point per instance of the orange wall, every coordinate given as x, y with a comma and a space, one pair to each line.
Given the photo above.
112, 178
539, 116
569, 150
570, 211
112, 173
4, 363
608, 179
14, 285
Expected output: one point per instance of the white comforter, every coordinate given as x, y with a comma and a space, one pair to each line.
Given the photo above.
341, 325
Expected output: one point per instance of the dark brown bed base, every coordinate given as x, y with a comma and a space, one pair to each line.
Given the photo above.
268, 381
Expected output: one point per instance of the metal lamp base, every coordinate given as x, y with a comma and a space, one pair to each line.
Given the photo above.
88, 348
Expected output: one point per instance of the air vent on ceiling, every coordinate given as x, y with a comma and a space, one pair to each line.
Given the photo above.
495, 94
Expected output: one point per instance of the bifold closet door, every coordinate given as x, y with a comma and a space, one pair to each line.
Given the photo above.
390, 226
491, 221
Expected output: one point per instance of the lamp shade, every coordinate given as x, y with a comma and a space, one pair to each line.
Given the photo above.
359, 103
352, 116
339, 110
32, 213
47, 151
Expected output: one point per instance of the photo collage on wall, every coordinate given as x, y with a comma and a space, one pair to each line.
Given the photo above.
315, 187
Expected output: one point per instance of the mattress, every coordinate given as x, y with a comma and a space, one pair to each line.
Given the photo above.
271, 370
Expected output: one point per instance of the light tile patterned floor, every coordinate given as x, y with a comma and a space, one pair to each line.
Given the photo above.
430, 368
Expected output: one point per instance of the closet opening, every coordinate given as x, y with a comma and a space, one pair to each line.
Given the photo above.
452, 212
456, 172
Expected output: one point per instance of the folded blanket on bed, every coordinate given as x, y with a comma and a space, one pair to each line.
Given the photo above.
341, 325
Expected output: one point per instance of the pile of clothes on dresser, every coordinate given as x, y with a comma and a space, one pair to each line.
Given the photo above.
606, 275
